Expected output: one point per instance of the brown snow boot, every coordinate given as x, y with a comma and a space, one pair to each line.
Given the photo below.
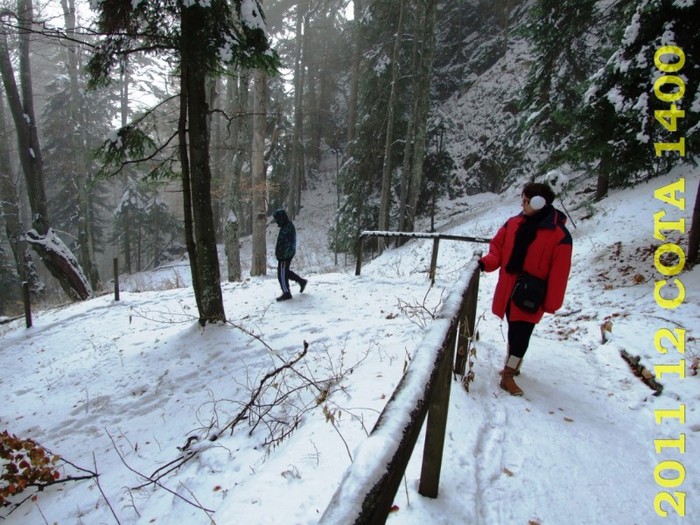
507, 382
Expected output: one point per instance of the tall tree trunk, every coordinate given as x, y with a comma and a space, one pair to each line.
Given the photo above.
125, 80
86, 240
127, 244
186, 190
22, 109
603, 181
259, 262
298, 162
421, 110
243, 152
214, 131
10, 212
232, 247
312, 103
53, 252
232, 227
355, 75
385, 201
206, 270
411, 125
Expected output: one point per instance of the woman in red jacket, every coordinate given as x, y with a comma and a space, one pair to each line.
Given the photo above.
535, 242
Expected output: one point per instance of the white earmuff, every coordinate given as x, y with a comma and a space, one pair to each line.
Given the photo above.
537, 202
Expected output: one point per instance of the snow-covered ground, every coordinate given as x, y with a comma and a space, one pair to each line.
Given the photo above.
117, 387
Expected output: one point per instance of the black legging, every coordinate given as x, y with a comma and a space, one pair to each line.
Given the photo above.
284, 274
519, 333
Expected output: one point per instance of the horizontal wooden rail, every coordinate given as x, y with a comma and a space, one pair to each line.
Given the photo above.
424, 235
414, 235
369, 485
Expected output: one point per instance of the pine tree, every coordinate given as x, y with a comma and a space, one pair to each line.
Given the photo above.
361, 175
199, 38
129, 224
9, 284
438, 168
561, 33
357, 181
144, 227
643, 97
63, 159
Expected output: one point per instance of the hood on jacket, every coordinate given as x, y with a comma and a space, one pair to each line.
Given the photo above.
550, 217
557, 217
280, 217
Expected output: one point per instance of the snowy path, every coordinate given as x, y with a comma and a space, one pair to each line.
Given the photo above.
559, 455
577, 446
578, 449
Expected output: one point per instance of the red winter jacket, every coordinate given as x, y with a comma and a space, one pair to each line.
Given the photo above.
548, 257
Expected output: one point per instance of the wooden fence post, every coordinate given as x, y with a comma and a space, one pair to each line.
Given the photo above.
358, 264
116, 278
371, 491
437, 424
467, 324
27, 304
462, 347
433, 259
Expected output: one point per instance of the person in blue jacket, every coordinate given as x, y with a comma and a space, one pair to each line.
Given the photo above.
285, 249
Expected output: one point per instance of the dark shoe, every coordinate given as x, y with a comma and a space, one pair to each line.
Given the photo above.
302, 285
285, 297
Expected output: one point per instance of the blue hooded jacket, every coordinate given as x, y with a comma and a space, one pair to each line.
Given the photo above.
286, 246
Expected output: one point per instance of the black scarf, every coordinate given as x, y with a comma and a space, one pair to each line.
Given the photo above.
526, 233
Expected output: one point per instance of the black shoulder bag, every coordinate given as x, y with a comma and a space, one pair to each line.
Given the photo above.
529, 292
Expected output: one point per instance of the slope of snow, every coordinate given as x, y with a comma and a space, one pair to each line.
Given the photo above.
116, 387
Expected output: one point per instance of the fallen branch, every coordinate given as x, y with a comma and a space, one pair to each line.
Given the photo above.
195, 444
99, 487
642, 372
154, 481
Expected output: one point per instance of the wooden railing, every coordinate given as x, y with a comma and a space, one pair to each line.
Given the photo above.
369, 485
414, 235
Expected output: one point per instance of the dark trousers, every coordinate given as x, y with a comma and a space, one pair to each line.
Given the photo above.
519, 333
284, 275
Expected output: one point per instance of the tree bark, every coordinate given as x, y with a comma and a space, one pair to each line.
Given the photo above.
206, 271
22, 111
9, 210
217, 140
243, 151
86, 238
385, 200
421, 111
186, 190
298, 162
355, 75
259, 189
410, 130
42, 239
232, 228
603, 181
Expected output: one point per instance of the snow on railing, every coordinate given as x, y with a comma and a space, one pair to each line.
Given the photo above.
369, 485
436, 236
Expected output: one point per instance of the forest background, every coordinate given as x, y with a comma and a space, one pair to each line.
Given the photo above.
167, 128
